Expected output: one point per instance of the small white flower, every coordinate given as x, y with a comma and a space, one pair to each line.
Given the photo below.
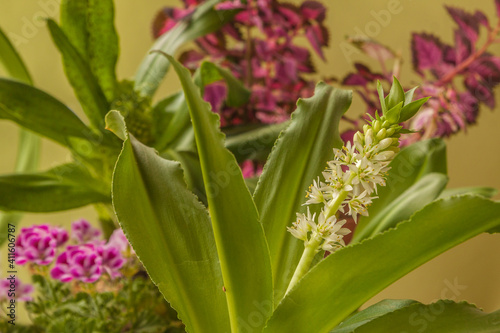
303, 225
358, 205
315, 193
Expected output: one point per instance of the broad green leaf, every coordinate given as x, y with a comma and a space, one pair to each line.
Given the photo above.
40, 113
423, 192
154, 66
441, 316
255, 144
190, 163
11, 61
371, 313
89, 25
81, 78
28, 149
170, 231
299, 156
171, 117
486, 192
409, 165
237, 94
241, 244
346, 279
64, 187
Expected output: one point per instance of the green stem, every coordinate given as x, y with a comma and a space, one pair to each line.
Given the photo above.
305, 261
312, 246
332, 210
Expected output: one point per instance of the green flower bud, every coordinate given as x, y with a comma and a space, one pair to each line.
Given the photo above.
386, 124
382, 134
376, 125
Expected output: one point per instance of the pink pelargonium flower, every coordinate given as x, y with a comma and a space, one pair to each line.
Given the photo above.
112, 259
120, 241
15, 289
81, 262
83, 232
38, 244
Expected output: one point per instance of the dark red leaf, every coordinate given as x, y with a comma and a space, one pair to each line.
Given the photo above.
480, 91
427, 52
355, 79
482, 19
318, 37
215, 94
291, 14
313, 10
469, 23
497, 5
463, 47
488, 68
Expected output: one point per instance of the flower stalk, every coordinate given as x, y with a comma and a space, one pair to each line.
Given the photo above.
351, 179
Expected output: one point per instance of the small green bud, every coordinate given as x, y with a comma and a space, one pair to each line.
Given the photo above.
385, 143
366, 127
386, 124
369, 137
358, 137
382, 134
376, 125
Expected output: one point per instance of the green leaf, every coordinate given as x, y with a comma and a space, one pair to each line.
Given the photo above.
299, 156
64, 187
409, 95
171, 233
239, 236
171, 117
380, 91
11, 61
393, 114
89, 25
255, 144
237, 94
408, 167
154, 66
81, 78
326, 295
487, 192
423, 192
40, 113
190, 163
371, 313
409, 110
396, 95
28, 149
116, 124
441, 316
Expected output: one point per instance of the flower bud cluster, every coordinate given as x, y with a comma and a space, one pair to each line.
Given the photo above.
350, 184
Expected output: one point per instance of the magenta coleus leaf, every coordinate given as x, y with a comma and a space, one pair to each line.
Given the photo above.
497, 5
488, 68
313, 10
463, 47
467, 22
482, 18
318, 37
427, 52
480, 90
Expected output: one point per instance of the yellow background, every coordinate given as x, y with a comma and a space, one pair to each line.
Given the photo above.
473, 157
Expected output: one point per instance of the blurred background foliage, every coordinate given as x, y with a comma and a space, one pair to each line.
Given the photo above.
470, 271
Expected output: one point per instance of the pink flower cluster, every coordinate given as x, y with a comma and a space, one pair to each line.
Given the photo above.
443, 67
12, 288
86, 260
262, 53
